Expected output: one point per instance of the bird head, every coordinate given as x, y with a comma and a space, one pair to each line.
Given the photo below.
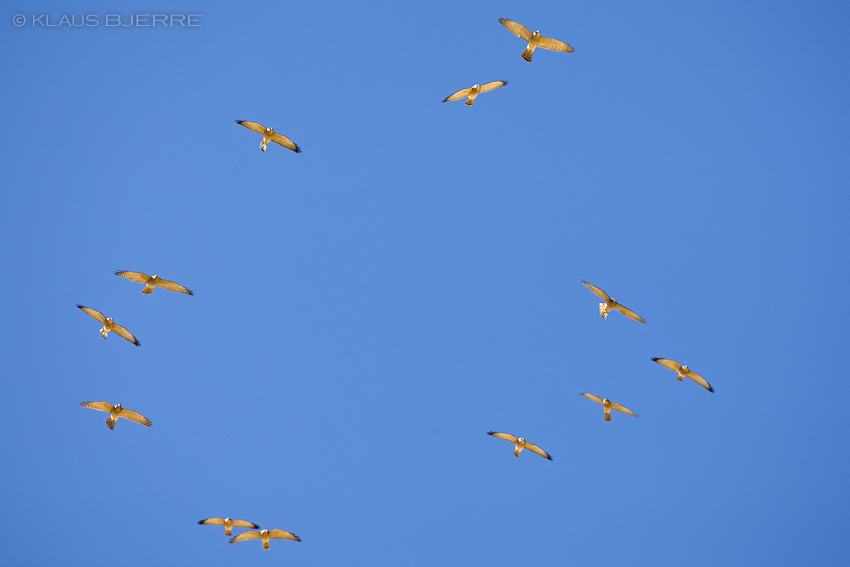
606, 401
264, 531
475, 86
536, 34
118, 406
684, 368
109, 319
270, 130
521, 440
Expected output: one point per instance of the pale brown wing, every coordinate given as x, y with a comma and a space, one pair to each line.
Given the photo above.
101, 406
245, 535
505, 436
173, 286
667, 363
244, 524
535, 449
554, 45
596, 399
283, 534
492, 85
699, 380
518, 30
255, 126
94, 313
597, 291
122, 332
623, 409
134, 276
135, 416
458, 95
285, 142
629, 313
214, 522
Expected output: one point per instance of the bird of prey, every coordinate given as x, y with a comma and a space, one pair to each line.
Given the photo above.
110, 325
609, 405
228, 524
520, 444
683, 371
115, 412
265, 535
605, 308
152, 282
269, 135
534, 40
474, 91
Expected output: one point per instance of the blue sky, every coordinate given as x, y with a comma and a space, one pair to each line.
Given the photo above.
367, 310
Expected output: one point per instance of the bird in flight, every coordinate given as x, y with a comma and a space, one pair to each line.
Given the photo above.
605, 308
683, 371
609, 405
474, 91
110, 325
269, 135
520, 444
534, 40
228, 524
265, 535
152, 282
115, 412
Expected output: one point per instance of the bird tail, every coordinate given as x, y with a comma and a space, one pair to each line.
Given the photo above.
469, 102
148, 289
603, 311
110, 423
263, 146
516, 453
266, 545
527, 53
228, 531
607, 416
104, 332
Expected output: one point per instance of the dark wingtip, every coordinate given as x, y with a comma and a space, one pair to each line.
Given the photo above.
656, 358
490, 432
190, 292
240, 121
137, 343
711, 389
550, 458
297, 149
201, 522
119, 272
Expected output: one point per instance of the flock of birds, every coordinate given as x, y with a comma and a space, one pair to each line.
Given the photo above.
534, 40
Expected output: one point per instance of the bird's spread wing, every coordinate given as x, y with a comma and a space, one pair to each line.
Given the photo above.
534, 448
255, 126
699, 380
629, 313
518, 30
244, 524
173, 286
554, 45
492, 85
505, 436
596, 399
214, 521
245, 535
286, 143
667, 363
94, 313
458, 95
102, 406
597, 291
122, 332
623, 409
283, 534
134, 276
135, 416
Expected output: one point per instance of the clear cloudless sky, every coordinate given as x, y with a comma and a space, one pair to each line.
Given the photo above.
365, 311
